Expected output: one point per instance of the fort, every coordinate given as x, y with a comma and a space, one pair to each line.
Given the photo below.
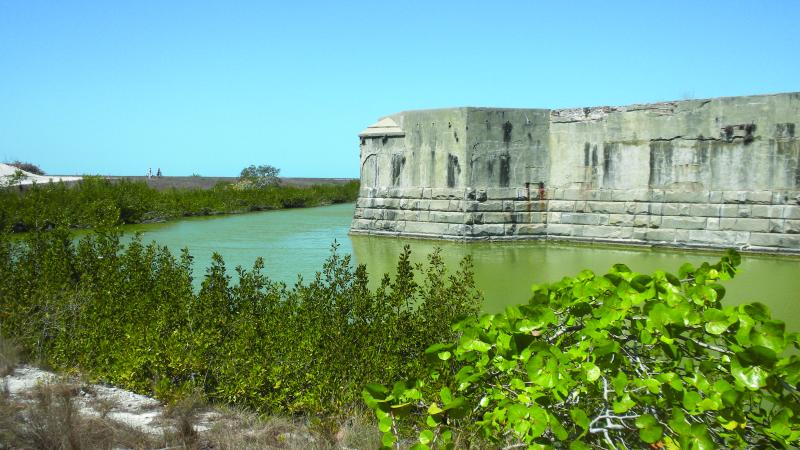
715, 173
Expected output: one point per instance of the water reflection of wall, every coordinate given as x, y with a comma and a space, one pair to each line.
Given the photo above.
506, 271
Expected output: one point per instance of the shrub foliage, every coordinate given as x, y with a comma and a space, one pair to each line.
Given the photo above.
97, 202
129, 316
622, 360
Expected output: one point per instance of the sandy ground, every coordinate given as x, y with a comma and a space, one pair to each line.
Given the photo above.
7, 172
138, 411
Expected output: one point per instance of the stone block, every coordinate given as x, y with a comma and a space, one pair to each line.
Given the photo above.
641, 220
683, 223
605, 232
676, 209
744, 224
439, 205
637, 207
660, 235
734, 210
426, 192
447, 194
621, 220
791, 226
456, 205
657, 195
759, 197
508, 205
775, 240
703, 210
446, 217
734, 196
491, 205
362, 224
717, 237
606, 207
791, 212
630, 195
682, 236
561, 205
600, 195
685, 196
473, 218
427, 228
581, 206
412, 193
558, 229
528, 217
531, 229
655, 221
533, 205
407, 203
393, 203
497, 217
712, 223
715, 197
656, 209
504, 194
471, 205
584, 219
575, 194
458, 230
488, 230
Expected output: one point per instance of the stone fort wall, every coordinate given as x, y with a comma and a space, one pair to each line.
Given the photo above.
712, 173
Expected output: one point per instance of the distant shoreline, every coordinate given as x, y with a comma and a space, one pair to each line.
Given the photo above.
193, 182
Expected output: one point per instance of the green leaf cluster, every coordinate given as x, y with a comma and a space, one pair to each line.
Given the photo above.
129, 316
621, 360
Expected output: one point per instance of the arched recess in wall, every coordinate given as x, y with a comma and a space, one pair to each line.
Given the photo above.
369, 171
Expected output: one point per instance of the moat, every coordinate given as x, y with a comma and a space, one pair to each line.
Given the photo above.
297, 241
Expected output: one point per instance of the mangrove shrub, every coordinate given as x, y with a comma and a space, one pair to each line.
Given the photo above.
622, 360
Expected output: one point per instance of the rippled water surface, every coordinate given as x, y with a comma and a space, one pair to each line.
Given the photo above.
297, 241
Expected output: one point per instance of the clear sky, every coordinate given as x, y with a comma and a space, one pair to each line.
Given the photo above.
211, 87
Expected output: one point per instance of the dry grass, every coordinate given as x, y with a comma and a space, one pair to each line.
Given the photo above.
48, 418
238, 429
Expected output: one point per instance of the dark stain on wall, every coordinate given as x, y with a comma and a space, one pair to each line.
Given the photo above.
398, 161
453, 170
505, 170
788, 157
507, 127
784, 130
586, 148
660, 163
608, 148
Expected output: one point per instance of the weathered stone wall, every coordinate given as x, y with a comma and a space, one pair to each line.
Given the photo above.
706, 173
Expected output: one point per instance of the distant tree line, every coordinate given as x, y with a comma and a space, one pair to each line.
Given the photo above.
95, 201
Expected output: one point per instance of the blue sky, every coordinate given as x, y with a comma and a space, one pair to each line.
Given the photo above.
211, 87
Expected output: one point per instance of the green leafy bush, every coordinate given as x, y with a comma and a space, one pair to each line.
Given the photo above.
130, 316
97, 202
623, 360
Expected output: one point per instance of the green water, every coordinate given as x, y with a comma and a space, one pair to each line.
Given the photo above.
297, 241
